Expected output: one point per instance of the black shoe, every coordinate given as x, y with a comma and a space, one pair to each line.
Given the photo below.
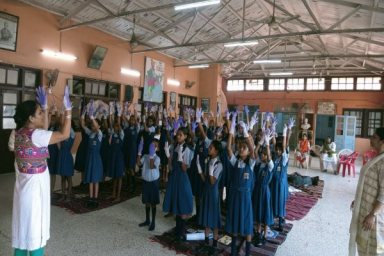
261, 242
194, 219
202, 248
152, 226
280, 229
143, 224
95, 204
213, 251
325, 170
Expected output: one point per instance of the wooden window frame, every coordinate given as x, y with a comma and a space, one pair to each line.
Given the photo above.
365, 119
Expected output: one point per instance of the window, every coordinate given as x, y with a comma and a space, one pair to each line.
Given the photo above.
342, 83
368, 83
254, 85
367, 120
295, 84
186, 101
235, 85
276, 85
314, 84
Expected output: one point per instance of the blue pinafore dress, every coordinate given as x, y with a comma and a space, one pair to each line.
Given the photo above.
105, 151
197, 183
163, 139
262, 200
148, 138
210, 213
239, 203
131, 135
279, 188
116, 162
82, 152
52, 160
94, 165
211, 133
178, 197
227, 167
65, 164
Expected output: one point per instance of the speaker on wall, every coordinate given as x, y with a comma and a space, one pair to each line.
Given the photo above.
128, 93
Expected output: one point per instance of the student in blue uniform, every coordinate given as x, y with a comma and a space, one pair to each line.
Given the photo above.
116, 160
164, 137
211, 129
94, 166
279, 184
239, 198
82, 150
65, 165
150, 175
262, 200
105, 148
178, 197
201, 150
149, 130
210, 212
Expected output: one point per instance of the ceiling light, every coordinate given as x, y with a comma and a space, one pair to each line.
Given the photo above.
59, 55
266, 61
197, 4
241, 43
199, 66
173, 82
130, 72
281, 73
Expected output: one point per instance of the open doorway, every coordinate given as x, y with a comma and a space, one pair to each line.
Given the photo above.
325, 126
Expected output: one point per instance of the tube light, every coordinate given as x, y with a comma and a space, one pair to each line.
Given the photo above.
241, 43
281, 73
197, 4
173, 82
130, 72
59, 55
266, 61
199, 66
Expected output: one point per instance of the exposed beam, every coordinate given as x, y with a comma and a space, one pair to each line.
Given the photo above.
74, 12
104, 8
364, 39
370, 25
190, 26
296, 58
295, 34
354, 5
345, 48
150, 9
345, 17
312, 14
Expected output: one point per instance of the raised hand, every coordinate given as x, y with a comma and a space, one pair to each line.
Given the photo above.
227, 113
175, 126
194, 126
219, 130
136, 106
198, 115
91, 110
105, 112
180, 120
83, 113
205, 122
143, 118
245, 129
254, 120
42, 97
180, 154
218, 110
233, 127
274, 122
291, 123
246, 110
267, 116
98, 109
285, 128
267, 136
140, 147
166, 149
111, 108
149, 106
165, 113
188, 115
211, 113
152, 151
198, 164
119, 109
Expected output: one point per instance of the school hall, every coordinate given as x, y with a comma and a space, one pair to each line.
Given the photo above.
226, 70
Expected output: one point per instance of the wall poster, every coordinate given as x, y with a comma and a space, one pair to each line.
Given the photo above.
153, 80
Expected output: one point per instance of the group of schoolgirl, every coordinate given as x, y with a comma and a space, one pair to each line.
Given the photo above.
256, 184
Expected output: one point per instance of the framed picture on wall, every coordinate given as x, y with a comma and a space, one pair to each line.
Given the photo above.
205, 105
97, 57
8, 31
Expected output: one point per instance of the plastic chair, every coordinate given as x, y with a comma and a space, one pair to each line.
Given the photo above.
343, 152
317, 150
348, 161
368, 155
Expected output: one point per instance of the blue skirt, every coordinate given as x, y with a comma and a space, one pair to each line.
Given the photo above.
210, 214
151, 194
262, 205
104, 153
279, 197
93, 168
197, 183
178, 197
81, 156
65, 166
239, 216
52, 160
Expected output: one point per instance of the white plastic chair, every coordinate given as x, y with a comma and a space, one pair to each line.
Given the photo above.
317, 150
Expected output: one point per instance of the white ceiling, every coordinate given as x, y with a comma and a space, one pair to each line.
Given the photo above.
159, 26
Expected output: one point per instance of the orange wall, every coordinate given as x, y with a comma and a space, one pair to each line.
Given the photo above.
269, 100
39, 30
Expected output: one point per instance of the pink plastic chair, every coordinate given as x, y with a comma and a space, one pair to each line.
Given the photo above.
368, 155
349, 161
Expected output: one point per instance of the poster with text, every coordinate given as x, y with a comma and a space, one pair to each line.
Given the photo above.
153, 80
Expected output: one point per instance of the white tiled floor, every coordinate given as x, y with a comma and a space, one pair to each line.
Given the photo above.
115, 231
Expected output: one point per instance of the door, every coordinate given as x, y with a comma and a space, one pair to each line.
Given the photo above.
345, 131
325, 126
8, 101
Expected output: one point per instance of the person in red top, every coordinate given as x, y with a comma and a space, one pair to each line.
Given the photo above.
302, 150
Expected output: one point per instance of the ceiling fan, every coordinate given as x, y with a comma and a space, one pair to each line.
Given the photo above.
272, 21
134, 41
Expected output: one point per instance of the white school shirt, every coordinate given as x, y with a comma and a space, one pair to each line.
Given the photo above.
217, 169
270, 164
241, 163
93, 134
284, 157
148, 173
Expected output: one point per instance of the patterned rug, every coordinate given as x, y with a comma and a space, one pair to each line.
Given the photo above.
79, 200
299, 204
188, 247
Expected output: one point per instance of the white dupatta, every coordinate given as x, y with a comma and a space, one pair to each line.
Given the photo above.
356, 207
